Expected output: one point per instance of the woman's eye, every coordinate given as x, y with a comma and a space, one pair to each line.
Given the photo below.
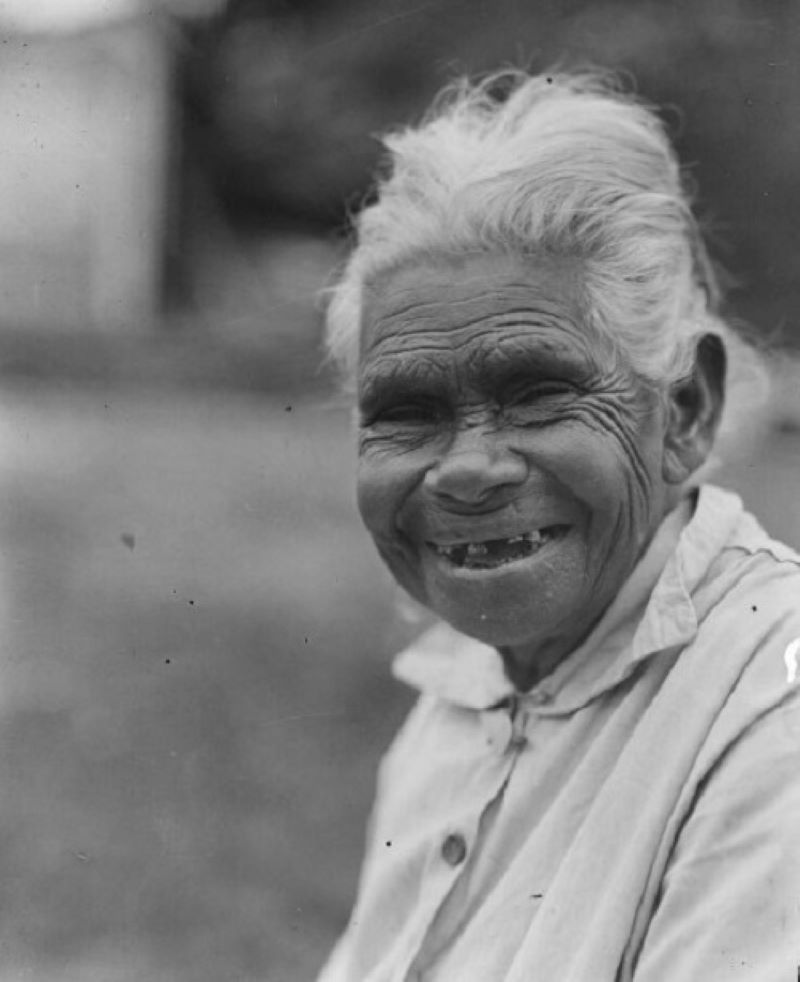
407, 414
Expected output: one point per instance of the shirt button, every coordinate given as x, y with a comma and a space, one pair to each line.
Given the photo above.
454, 849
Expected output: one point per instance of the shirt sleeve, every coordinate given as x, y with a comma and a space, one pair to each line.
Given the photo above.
730, 901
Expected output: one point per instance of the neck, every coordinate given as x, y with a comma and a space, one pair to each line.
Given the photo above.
526, 665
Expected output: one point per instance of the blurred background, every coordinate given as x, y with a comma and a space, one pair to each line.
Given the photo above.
194, 687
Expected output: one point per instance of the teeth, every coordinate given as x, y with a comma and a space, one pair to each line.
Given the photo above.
476, 550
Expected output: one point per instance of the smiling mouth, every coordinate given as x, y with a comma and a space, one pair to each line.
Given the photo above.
493, 553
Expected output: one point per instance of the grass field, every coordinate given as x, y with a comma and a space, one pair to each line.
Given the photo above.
194, 689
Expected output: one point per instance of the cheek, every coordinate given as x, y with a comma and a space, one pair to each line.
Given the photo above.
382, 486
369, 494
608, 473
383, 482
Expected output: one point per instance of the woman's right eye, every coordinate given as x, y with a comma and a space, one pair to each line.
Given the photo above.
406, 414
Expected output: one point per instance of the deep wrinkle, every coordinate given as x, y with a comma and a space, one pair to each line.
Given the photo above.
496, 367
488, 409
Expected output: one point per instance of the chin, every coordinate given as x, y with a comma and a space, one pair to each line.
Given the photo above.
513, 603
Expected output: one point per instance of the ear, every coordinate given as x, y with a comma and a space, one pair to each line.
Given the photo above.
694, 409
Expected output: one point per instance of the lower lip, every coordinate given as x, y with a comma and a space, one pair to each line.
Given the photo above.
521, 565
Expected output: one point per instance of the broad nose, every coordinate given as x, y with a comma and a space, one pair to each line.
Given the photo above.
475, 467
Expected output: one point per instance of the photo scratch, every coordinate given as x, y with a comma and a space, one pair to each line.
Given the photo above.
377, 24
300, 716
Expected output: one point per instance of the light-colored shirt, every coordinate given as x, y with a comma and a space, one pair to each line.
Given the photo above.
635, 816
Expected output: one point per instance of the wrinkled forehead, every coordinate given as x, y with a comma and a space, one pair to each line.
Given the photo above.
475, 304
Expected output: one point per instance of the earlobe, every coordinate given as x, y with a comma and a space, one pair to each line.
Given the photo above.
694, 410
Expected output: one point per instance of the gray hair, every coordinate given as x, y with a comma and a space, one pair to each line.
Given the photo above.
564, 165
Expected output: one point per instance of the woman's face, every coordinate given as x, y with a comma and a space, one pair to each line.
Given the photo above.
510, 469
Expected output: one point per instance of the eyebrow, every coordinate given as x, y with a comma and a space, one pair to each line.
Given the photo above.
402, 379
499, 365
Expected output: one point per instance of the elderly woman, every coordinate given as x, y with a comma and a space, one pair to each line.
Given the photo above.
601, 778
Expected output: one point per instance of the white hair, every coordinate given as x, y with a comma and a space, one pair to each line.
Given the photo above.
560, 165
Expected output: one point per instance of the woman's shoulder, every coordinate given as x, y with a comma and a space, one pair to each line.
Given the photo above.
751, 573
749, 607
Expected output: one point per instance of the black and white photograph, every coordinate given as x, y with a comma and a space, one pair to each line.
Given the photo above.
400, 491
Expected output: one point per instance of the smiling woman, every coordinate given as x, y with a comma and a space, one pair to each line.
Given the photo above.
530, 322
487, 430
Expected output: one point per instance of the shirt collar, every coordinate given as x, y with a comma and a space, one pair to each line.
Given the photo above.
652, 612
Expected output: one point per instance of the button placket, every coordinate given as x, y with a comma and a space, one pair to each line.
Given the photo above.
452, 851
